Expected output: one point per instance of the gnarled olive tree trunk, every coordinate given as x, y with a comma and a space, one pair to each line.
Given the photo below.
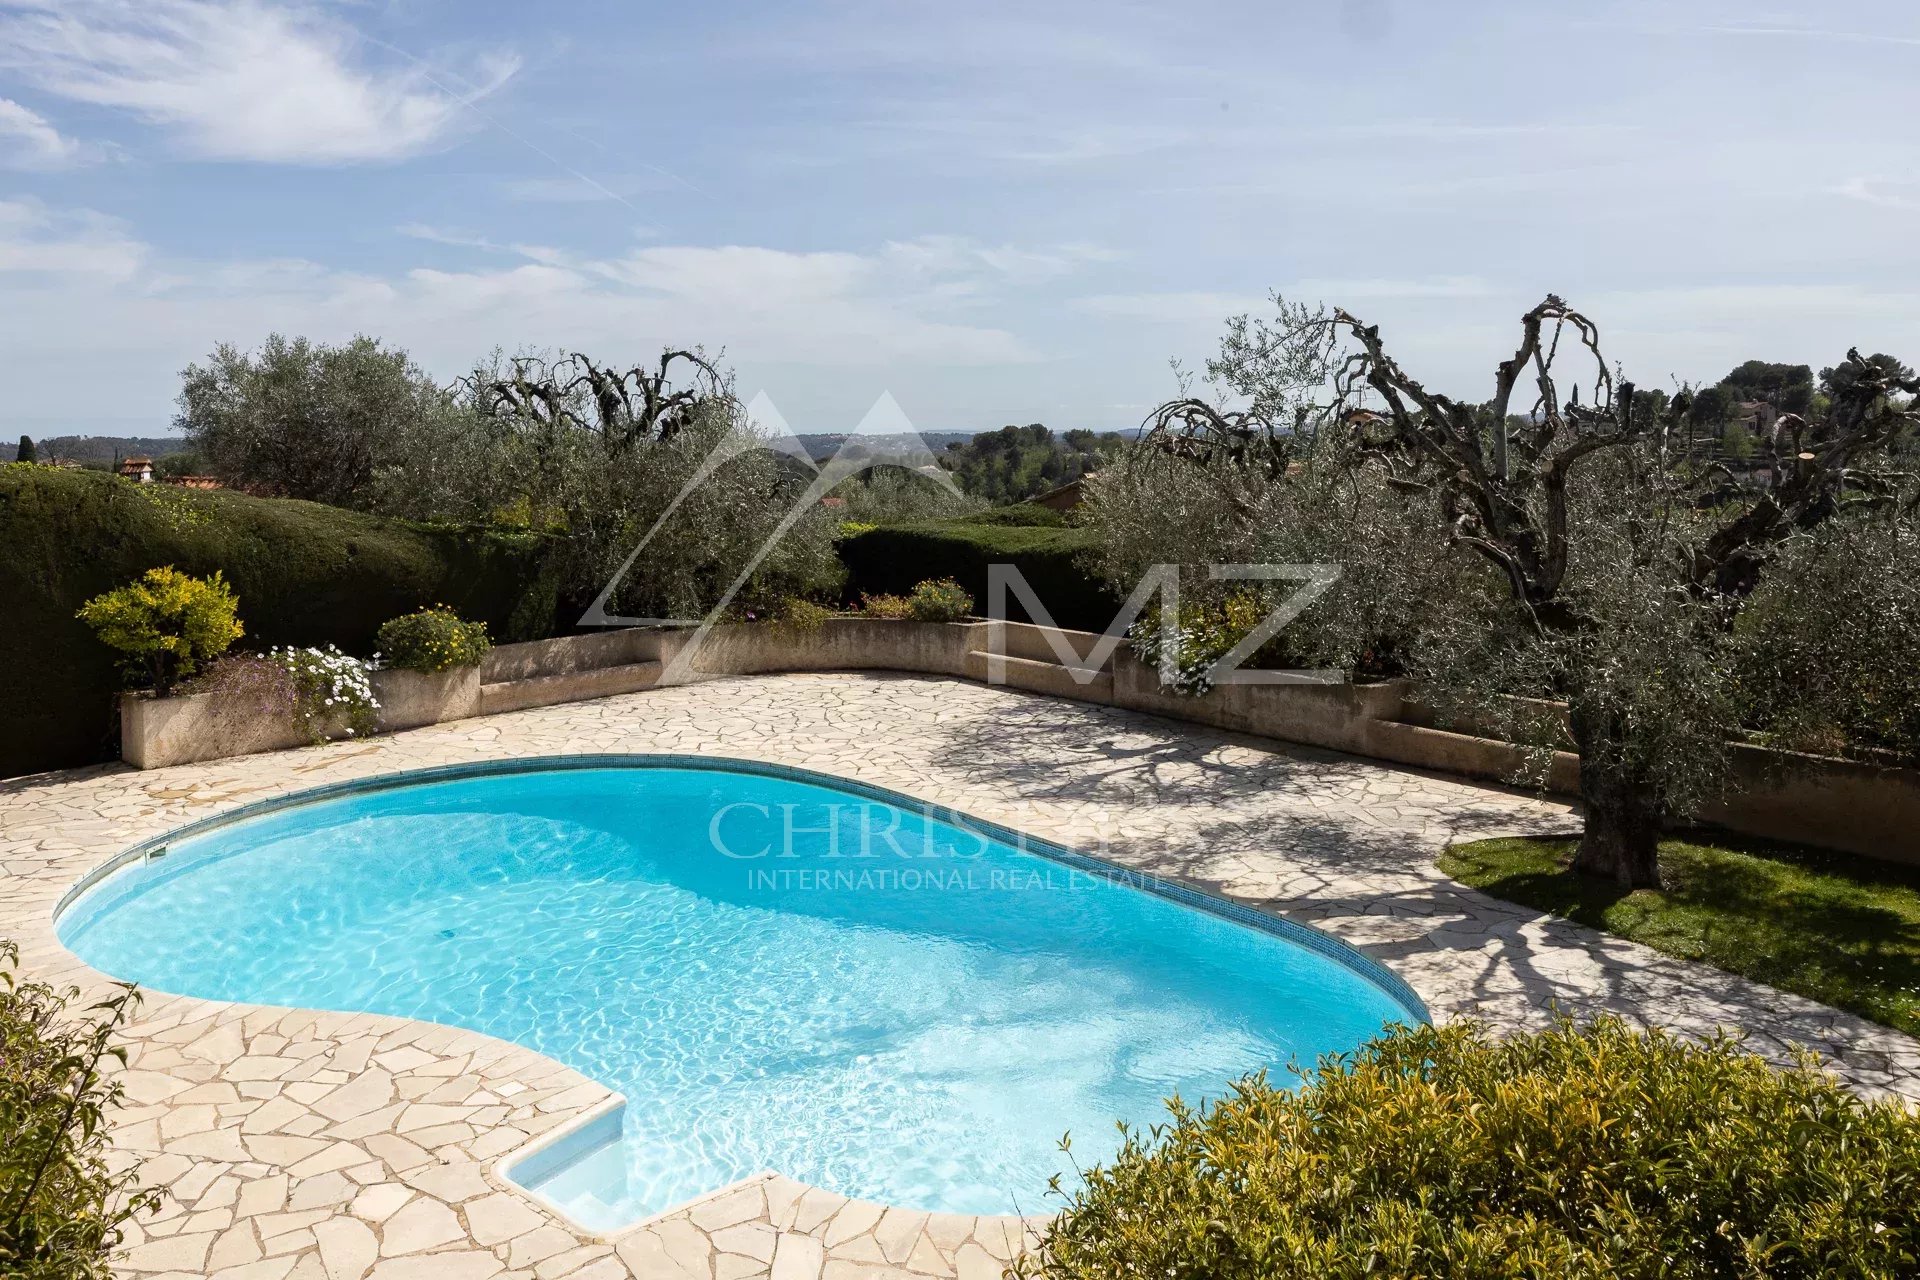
1625, 807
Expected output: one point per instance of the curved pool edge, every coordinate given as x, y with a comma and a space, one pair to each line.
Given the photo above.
1001, 1237
770, 1185
1216, 904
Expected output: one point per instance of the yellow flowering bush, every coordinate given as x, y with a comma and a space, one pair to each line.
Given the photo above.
435, 639
939, 600
799, 616
893, 608
165, 624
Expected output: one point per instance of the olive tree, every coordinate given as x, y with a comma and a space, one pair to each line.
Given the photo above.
603, 459
300, 419
1618, 566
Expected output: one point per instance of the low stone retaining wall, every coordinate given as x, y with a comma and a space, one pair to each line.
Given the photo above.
156, 732
1835, 804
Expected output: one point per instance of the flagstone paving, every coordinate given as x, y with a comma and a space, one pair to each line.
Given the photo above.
331, 1146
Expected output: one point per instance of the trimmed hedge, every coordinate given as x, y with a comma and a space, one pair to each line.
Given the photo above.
1575, 1153
306, 574
892, 559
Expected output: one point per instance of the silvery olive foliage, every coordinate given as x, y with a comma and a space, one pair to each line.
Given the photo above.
556, 443
1394, 562
1827, 652
301, 419
550, 469
888, 494
1550, 564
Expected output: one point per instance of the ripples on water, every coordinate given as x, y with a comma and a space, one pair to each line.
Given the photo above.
918, 1026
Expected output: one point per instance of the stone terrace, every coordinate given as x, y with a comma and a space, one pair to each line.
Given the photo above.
324, 1146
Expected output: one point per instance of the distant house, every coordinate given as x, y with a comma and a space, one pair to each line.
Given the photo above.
194, 482
137, 469
1065, 498
833, 502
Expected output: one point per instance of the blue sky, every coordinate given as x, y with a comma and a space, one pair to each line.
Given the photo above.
998, 212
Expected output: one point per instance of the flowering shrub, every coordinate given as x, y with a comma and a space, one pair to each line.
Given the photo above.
885, 606
247, 688
435, 639
939, 600
165, 624
801, 616
327, 683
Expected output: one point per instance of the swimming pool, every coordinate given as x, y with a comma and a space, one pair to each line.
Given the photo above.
777, 970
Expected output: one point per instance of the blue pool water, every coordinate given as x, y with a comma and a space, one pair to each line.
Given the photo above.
776, 973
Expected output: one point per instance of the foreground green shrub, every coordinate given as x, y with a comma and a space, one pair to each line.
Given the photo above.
63, 1205
1575, 1152
939, 600
435, 639
165, 624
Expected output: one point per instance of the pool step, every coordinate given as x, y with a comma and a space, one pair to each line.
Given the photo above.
568, 686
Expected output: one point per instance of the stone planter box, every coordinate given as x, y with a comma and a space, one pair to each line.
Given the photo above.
156, 732
409, 699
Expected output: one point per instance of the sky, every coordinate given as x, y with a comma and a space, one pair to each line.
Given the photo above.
996, 212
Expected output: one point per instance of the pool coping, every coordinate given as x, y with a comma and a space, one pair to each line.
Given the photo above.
499, 1171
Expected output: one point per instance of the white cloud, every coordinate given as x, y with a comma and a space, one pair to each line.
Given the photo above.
28, 140
79, 245
77, 292
242, 79
1815, 33
1904, 196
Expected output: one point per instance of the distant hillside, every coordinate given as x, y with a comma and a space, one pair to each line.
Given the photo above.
821, 445
95, 448
1017, 463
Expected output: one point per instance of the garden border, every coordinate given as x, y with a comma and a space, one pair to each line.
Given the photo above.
1831, 803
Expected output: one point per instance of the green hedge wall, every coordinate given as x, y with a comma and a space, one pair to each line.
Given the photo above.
305, 574
891, 559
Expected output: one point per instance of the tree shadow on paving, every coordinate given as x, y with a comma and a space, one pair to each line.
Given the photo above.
1304, 804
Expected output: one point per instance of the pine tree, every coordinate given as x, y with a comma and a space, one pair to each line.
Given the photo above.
28, 451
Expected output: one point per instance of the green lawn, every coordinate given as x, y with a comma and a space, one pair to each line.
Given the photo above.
1843, 930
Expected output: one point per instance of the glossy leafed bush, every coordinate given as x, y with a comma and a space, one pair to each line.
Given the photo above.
1596, 1151
63, 1204
435, 639
939, 600
165, 624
